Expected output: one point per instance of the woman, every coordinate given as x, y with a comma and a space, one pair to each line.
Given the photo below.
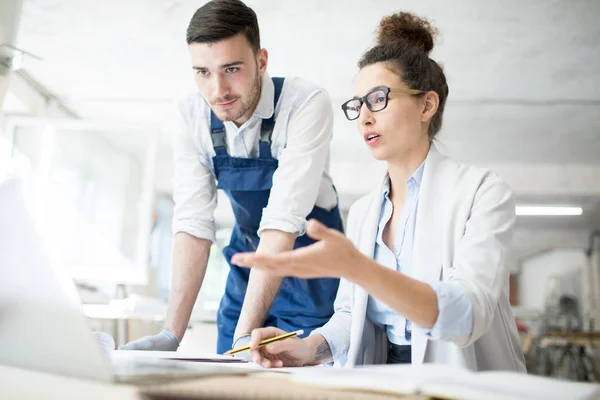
424, 275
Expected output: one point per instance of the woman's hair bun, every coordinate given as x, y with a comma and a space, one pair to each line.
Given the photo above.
408, 29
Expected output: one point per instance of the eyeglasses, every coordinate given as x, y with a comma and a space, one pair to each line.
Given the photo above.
376, 100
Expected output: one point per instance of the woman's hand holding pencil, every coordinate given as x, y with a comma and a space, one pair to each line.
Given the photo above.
273, 348
266, 341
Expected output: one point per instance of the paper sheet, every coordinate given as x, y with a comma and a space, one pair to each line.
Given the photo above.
177, 355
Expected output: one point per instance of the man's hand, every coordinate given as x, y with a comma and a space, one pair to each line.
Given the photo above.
241, 342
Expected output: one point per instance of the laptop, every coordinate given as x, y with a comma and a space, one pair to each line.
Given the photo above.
42, 326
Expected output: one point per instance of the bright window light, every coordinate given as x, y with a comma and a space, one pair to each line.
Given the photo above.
548, 210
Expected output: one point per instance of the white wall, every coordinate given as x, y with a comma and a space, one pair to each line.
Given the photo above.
537, 272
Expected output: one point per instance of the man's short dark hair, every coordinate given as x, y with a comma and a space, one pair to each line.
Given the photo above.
222, 19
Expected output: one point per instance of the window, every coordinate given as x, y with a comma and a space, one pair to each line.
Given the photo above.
95, 193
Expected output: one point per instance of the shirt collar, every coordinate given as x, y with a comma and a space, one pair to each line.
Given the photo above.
417, 176
414, 180
265, 107
386, 187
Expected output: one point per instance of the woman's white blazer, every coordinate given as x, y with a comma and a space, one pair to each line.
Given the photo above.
463, 231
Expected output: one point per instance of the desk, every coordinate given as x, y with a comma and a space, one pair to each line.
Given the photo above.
565, 354
267, 386
563, 338
16, 384
22, 384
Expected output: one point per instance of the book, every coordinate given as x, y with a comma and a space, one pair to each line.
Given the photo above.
448, 382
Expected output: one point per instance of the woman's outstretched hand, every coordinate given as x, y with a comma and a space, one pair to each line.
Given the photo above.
332, 256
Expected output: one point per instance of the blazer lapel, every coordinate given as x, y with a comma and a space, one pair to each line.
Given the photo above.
366, 235
438, 179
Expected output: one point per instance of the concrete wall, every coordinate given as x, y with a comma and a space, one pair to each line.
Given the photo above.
558, 270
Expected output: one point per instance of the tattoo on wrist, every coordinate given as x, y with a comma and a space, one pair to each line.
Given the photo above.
323, 351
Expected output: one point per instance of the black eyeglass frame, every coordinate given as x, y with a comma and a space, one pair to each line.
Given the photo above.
385, 90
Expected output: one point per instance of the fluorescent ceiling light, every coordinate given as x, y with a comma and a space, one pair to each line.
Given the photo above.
548, 210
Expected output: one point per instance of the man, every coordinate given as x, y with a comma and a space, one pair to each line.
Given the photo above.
265, 142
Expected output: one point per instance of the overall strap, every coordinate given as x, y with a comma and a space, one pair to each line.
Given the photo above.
266, 128
217, 134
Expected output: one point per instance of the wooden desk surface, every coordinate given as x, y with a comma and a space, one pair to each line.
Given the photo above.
268, 386
563, 338
574, 334
16, 384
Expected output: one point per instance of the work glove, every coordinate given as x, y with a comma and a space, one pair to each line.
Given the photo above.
241, 342
165, 341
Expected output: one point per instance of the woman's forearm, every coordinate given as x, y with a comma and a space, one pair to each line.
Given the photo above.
413, 299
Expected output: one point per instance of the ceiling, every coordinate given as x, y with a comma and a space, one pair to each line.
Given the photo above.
523, 78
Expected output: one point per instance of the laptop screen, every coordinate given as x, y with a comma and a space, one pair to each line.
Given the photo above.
41, 325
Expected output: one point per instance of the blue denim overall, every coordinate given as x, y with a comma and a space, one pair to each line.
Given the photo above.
300, 303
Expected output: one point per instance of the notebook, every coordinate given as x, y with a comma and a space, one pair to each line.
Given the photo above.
449, 382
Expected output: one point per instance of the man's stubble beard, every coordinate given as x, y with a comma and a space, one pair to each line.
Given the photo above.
253, 98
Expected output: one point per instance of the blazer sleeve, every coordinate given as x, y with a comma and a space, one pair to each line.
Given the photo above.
480, 259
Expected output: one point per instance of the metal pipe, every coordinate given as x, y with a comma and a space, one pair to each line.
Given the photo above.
592, 279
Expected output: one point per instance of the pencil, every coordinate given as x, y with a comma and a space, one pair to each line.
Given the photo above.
266, 341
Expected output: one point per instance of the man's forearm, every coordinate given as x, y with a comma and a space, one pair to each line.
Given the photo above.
190, 258
262, 286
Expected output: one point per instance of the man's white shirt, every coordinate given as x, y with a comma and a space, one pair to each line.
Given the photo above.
300, 141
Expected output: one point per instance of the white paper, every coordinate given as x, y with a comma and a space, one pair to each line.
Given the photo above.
178, 355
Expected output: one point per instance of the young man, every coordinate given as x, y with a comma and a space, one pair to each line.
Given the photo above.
265, 142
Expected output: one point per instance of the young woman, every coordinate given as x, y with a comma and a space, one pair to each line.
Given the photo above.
424, 275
